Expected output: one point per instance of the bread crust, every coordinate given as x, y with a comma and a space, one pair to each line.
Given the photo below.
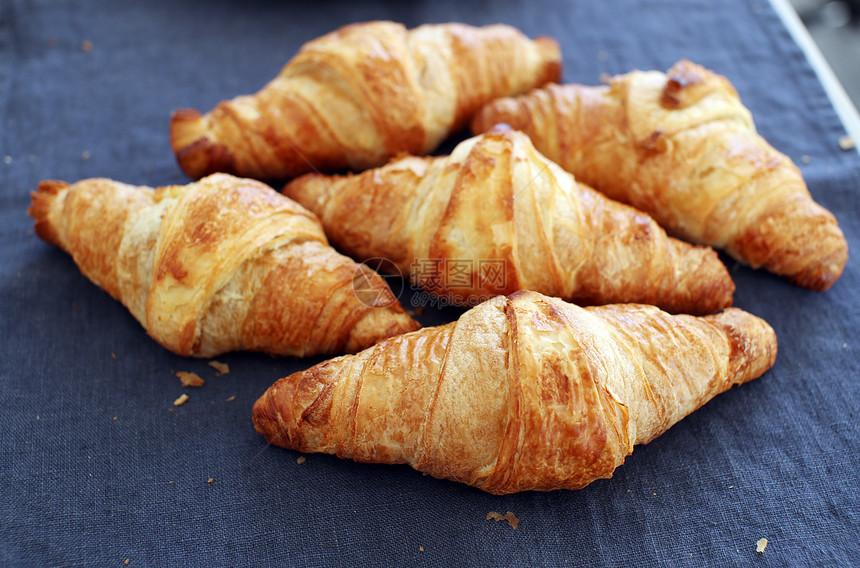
219, 265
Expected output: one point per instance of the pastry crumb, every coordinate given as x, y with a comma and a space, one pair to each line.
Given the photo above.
420, 549
512, 519
761, 545
846, 143
181, 400
301, 460
189, 379
231, 398
85, 155
86, 45
113, 355
805, 159
210, 480
222, 368
127, 560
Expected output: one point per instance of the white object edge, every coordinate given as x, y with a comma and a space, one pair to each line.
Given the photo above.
845, 109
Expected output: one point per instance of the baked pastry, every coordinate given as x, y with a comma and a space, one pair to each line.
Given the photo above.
681, 147
521, 393
218, 265
357, 96
496, 216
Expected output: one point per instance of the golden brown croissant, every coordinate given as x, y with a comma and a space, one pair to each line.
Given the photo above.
218, 265
521, 393
496, 216
681, 147
357, 96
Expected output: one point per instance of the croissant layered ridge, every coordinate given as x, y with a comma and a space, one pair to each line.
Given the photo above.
361, 94
496, 216
682, 147
523, 392
219, 265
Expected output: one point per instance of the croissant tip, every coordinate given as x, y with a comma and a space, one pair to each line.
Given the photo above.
203, 157
185, 114
378, 325
185, 127
754, 342
494, 114
196, 153
550, 52
302, 179
309, 190
822, 277
40, 206
711, 283
51, 186
264, 415
260, 414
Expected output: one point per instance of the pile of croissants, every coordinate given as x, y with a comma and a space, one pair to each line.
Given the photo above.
608, 196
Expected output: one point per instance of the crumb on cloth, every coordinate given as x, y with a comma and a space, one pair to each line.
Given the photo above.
181, 400
189, 379
761, 545
222, 368
512, 519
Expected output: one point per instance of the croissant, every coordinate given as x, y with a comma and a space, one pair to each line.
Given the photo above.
524, 392
218, 265
358, 96
681, 147
496, 216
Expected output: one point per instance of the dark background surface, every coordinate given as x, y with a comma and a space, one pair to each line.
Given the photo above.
97, 466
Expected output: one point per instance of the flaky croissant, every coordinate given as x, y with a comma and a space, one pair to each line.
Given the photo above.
219, 265
681, 147
357, 96
521, 393
496, 216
